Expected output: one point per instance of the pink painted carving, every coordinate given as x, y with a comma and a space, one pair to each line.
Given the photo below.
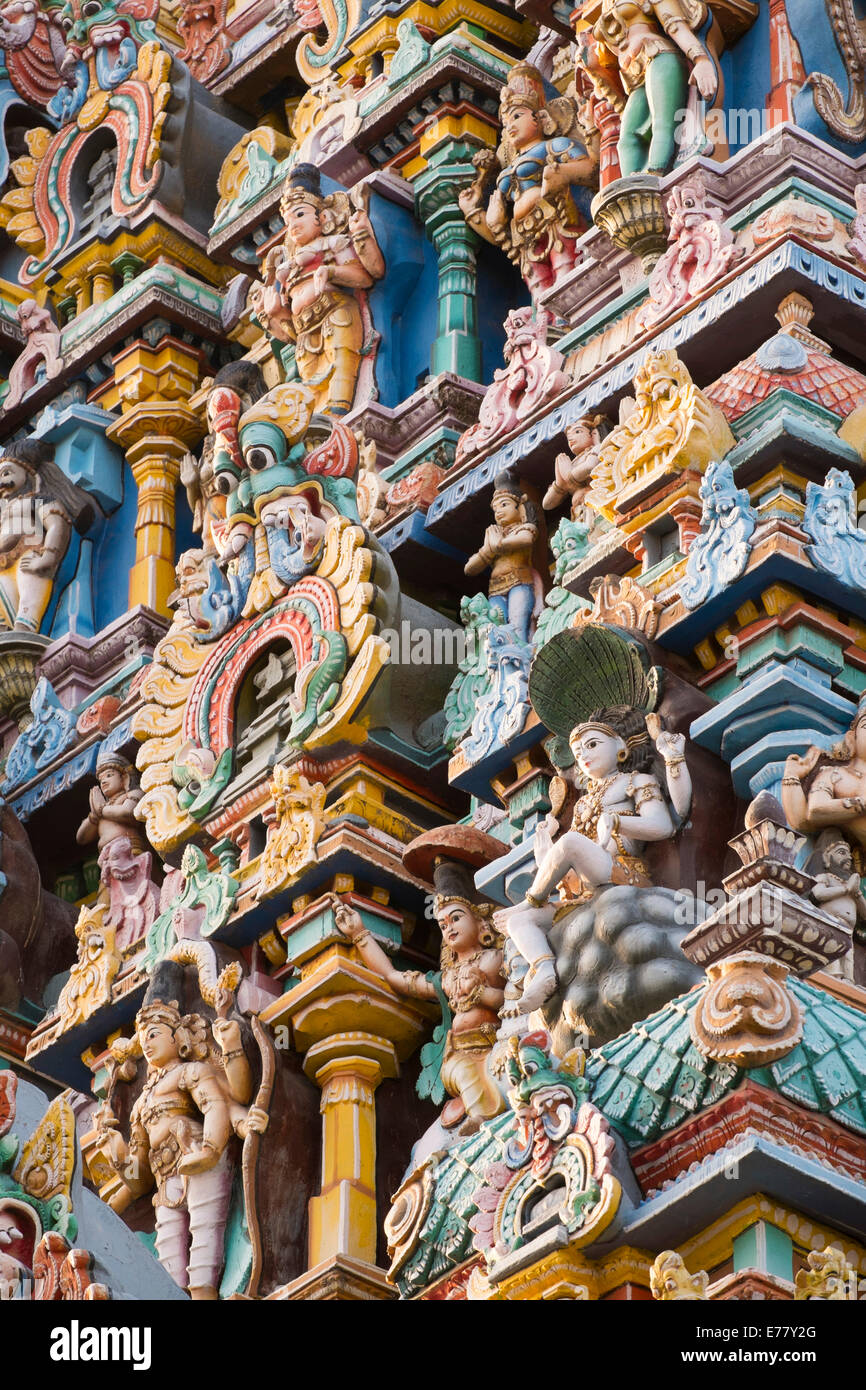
202, 26
417, 489
98, 716
532, 377
701, 251
41, 348
133, 897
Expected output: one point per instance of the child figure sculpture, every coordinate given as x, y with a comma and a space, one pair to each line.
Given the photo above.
623, 807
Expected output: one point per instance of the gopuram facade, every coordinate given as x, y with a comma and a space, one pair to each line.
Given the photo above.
432, 650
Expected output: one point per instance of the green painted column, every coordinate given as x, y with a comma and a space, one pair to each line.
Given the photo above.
457, 346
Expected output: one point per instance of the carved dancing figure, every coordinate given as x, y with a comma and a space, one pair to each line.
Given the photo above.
531, 213
658, 54
623, 807
516, 587
471, 992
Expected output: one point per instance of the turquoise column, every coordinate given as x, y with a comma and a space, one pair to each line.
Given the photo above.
457, 346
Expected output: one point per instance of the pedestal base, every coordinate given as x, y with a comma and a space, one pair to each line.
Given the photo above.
631, 212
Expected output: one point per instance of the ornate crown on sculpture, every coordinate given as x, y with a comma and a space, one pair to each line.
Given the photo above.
524, 87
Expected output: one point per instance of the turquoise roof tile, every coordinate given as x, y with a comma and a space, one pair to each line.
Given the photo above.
801, 1088
855, 1056
662, 1068
835, 1023
689, 1087
851, 1113
619, 1102
653, 1077
651, 1058
816, 1040
647, 1083
834, 1079
792, 1062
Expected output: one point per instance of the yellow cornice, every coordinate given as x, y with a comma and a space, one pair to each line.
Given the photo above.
568, 1273
381, 37
148, 243
714, 1245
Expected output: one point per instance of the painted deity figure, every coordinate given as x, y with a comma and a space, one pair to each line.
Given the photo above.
312, 282
531, 213
837, 887
39, 508
828, 788
41, 351
658, 55
471, 988
236, 387
623, 807
112, 806
195, 1097
572, 472
516, 588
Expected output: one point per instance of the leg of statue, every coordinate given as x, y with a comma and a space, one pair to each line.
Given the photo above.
344, 379
632, 149
172, 1237
538, 276
500, 603
34, 595
667, 93
571, 851
527, 926
521, 601
8, 598
343, 339
208, 1202
465, 1072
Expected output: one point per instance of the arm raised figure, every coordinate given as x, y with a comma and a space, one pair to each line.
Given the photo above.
409, 982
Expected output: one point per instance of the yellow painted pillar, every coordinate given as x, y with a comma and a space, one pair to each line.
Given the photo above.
102, 282
157, 427
155, 462
343, 1217
353, 1032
